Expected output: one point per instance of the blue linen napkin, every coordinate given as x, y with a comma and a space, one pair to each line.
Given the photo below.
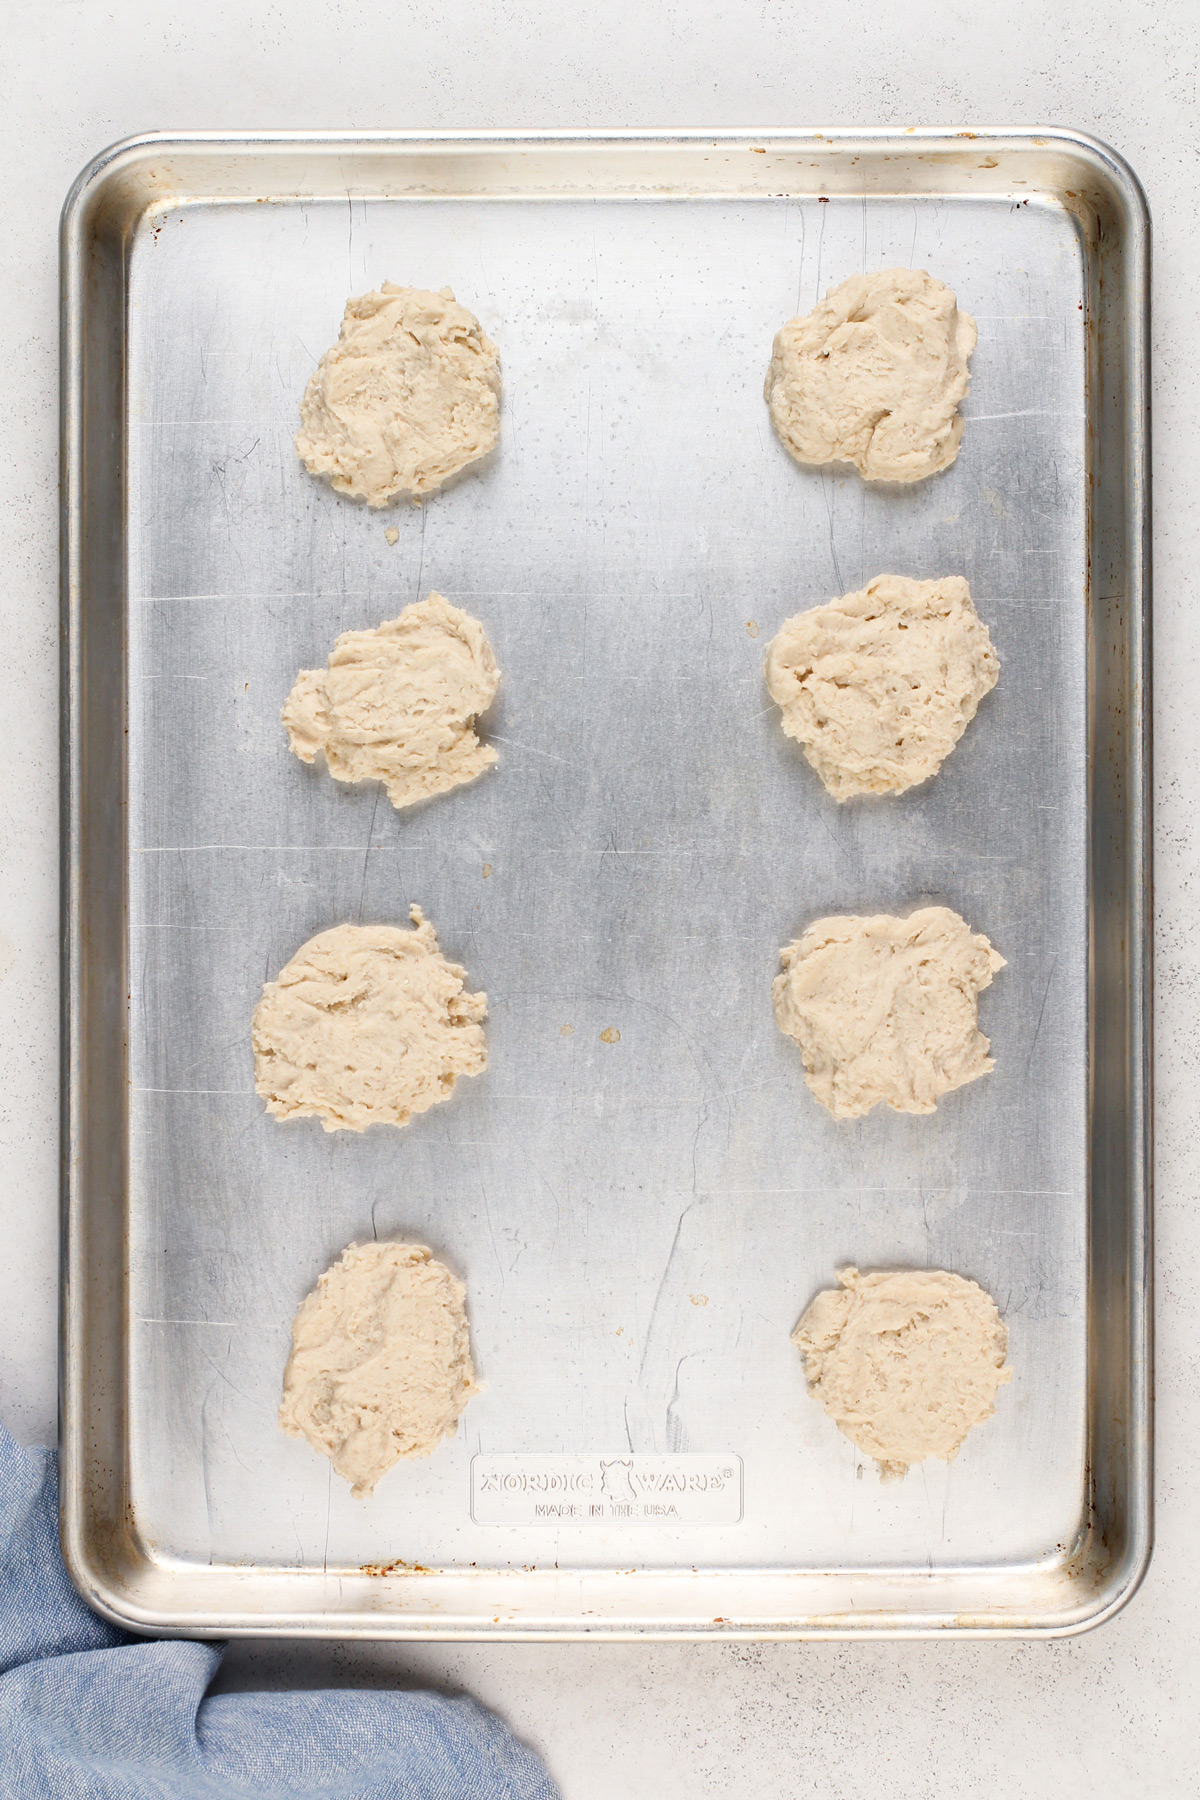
88, 1712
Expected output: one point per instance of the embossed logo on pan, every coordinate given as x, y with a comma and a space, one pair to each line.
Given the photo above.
619, 1489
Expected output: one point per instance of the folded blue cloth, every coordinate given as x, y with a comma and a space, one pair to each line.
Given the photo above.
89, 1713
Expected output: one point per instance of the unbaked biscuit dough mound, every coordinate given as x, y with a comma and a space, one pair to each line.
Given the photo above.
381, 1361
879, 686
408, 396
885, 1009
904, 1361
398, 704
873, 376
367, 1025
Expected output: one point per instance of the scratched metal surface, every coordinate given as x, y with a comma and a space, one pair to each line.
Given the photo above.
638, 1219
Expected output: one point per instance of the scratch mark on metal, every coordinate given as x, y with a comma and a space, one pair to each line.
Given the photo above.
1041, 1014
662, 1282
512, 744
832, 546
362, 892
421, 559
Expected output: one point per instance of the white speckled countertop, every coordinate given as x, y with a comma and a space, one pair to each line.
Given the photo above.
1113, 1711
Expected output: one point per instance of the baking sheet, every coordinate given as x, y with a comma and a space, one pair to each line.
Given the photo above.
639, 1218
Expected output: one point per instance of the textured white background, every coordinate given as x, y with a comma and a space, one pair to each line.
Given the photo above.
1113, 1711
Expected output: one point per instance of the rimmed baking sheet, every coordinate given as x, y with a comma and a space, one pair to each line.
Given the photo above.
640, 1194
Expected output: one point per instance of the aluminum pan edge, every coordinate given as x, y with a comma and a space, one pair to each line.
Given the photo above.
140, 173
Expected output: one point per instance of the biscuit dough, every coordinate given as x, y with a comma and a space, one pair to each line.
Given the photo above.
398, 704
904, 1361
879, 686
873, 376
885, 1008
408, 396
367, 1025
381, 1361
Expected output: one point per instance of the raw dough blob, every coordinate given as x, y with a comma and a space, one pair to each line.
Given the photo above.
381, 1361
398, 704
873, 376
885, 1008
904, 1361
367, 1025
408, 396
880, 685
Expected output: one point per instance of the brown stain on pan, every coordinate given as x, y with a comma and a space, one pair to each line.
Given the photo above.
398, 1567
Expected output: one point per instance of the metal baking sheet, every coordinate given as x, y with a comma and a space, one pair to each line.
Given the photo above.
640, 1193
